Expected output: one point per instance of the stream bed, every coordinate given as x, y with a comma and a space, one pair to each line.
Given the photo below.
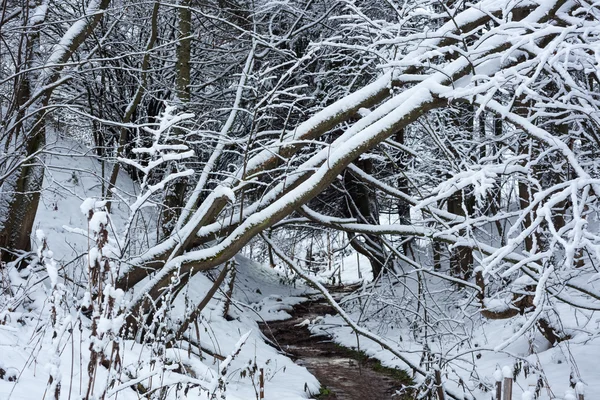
344, 374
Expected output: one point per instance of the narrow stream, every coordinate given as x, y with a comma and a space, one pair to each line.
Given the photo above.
342, 376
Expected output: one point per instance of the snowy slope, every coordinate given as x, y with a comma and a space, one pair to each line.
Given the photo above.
30, 354
471, 344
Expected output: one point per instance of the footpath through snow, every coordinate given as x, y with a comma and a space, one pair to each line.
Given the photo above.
344, 374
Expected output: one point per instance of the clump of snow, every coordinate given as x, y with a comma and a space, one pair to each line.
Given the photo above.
363, 112
498, 375
39, 15
220, 191
523, 280
99, 220
115, 293
507, 372
306, 322
527, 395
94, 255
496, 305
104, 325
40, 235
570, 395
86, 301
52, 270
87, 206
53, 368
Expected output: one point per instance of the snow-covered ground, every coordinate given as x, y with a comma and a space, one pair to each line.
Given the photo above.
29, 355
72, 175
349, 270
475, 347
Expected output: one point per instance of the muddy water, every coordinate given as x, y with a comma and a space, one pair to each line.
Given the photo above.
345, 374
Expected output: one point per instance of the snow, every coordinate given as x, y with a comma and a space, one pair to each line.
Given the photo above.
492, 366
88, 205
218, 150
52, 270
258, 290
257, 285
570, 395
303, 131
39, 14
70, 193
580, 388
401, 318
351, 269
39, 234
336, 156
61, 49
498, 376
98, 221
259, 296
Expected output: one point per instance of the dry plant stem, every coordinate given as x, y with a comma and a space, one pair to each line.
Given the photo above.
230, 286
262, 383
439, 385
507, 389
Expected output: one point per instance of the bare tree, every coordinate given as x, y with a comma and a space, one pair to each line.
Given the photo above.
24, 133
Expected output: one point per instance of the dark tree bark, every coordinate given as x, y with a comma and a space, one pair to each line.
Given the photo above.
461, 258
362, 205
175, 194
462, 202
402, 182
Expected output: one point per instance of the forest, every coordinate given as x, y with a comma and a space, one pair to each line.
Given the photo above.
412, 181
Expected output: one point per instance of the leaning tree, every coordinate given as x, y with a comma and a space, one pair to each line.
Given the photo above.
513, 82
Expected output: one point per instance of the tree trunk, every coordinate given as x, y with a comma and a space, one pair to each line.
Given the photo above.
362, 205
462, 202
20, 192
175, 194
21, 196
402, 182
461, 258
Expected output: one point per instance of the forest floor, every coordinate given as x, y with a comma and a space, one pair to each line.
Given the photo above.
270, 294
344, 374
